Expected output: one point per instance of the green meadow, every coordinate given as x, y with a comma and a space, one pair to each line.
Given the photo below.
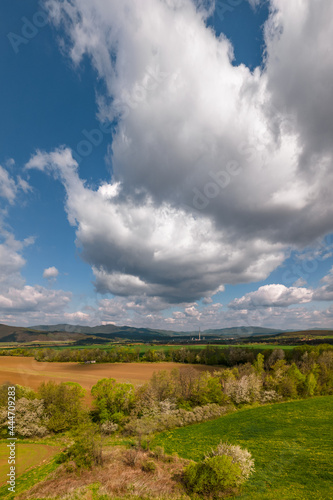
292, 444
142, 348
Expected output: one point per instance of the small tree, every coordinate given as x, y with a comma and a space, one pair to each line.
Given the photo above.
208, 390
276, 355
259, 364
310, 384
112, 400
63, 405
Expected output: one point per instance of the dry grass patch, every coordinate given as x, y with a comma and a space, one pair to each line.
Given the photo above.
124, 474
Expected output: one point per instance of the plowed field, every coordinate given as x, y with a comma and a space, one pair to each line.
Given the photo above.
31, 373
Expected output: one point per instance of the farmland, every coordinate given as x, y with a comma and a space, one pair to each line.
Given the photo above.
31, 373
291, 443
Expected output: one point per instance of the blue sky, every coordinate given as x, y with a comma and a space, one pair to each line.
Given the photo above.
119, 236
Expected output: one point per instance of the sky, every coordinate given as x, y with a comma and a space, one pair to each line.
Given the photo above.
166, 163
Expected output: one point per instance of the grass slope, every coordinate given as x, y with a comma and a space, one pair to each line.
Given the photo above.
292, 444
28, 455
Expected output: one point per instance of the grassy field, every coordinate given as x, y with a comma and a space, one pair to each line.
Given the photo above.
28, 479
27, 456
144, 348
292, 444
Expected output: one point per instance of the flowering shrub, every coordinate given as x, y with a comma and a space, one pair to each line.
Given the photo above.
29, 419
175, 418
109, 427
240, 456
245, 390
269, 396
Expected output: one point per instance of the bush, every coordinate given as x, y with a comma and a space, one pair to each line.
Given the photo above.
86, 450
109, 427
175, 418
20, 392
269, 396
148, 466
245, 390
30, 418
159, 452
239, 456
213, 476
130, 457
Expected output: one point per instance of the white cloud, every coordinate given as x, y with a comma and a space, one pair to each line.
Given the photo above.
325, 292
217, 171
9, 187
154, 250
301, 80
33, 298
78, 317
11, 260
21, 303
120, 312
50, 273
272, 296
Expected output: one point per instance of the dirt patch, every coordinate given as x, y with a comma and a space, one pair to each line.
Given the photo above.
117, 477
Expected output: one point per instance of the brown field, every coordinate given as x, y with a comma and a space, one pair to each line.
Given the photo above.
31, 373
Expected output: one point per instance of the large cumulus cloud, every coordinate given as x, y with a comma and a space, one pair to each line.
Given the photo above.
217, 171
158, 251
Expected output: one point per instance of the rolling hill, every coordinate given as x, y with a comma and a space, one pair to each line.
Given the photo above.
111, 331
23, 335
66, 332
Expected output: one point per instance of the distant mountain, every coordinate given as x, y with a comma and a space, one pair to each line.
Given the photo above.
6, 330
64, 327
242, 331
100, 330
110, 331
131, 332
305, 333
22, 335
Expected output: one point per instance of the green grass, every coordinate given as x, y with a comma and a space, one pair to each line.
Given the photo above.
292, 444
145, 348
28, 455
28, 480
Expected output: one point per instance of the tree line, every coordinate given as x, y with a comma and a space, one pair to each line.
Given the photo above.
209, 355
